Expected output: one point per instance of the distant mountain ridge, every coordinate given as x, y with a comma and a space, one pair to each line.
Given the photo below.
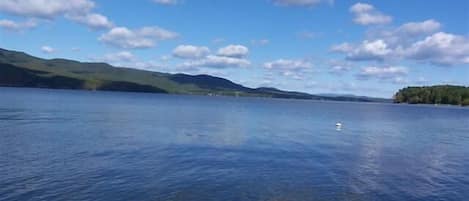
18, 69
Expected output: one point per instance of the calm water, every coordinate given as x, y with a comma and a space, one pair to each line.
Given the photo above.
76, 145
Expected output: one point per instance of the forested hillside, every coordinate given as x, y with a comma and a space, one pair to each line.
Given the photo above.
440, 94
18, 69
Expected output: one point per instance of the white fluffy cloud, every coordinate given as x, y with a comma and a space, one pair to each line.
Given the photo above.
440, 49
290, 68
342, 48
45, 8
307, 3
383, 73
419, 41
145, 37
214, 61
190, 51
231, 56
339, 67
17, 26
236, 51
92, 20
361, 8
368, 50
166, 2
47, 49
366, 14
75, 10
405, 34
288, 64
419, 28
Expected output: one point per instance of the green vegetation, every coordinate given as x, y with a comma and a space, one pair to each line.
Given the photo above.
442, 94
18, 69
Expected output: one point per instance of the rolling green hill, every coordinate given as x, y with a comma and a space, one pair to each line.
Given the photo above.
18, 69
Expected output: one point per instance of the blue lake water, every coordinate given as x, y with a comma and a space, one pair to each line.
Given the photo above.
78, 145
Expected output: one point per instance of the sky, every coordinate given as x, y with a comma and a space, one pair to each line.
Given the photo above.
370, 48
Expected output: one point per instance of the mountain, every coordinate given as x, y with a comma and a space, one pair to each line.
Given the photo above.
18, 69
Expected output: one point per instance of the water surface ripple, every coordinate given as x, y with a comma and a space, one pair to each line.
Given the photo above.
77, 145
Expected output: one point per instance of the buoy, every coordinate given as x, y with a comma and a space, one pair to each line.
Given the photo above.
338, 126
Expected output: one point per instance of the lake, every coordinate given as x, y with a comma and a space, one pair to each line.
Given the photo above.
80, 145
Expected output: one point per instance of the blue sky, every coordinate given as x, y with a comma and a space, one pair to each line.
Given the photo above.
318, 46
